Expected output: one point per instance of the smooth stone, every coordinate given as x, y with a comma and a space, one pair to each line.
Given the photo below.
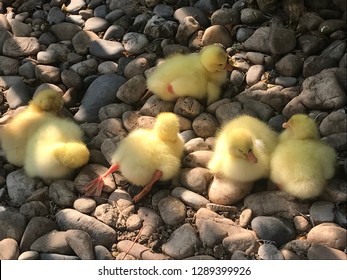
211, 234
321, 252
226, 192
134, 222
197, 159
217, 34
21, 46
245, 217
321, 212
82, 40
85, 205
205, 125
188, 107
254, 74
29, 255
52, 242
108, 67
135, 43
101, 233
151, 221
182, 243
269, 203
96, 24
54, 256
65, 31
328, 234
101, 253
139, 251
9, 66
37, 227
154, 105
190, 198
101, 92
107, 214
334, 122
9, 249
132, 90
12, 225
301, 224
106, 49
33, 209
272, 229
18, 95
270, 252
81, 243
241, 241
62, 193
172, 210
115, 110
196, 179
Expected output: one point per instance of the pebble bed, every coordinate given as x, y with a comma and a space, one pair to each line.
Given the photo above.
287, 57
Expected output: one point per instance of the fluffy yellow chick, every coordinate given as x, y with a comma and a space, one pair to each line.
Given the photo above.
301, 164
146, 156
15, 134
242, 150
198, 75
55, 149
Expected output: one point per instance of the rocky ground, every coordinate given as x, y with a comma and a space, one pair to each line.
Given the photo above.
287, 57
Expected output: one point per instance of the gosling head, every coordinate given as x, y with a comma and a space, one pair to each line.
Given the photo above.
213, 58
301, 126
241, 145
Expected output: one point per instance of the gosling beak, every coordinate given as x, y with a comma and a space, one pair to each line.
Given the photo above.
285, 125
251, 157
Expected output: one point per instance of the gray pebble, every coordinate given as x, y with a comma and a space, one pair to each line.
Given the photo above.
101, 253
190, 198
182, 243
54, 256
99, 232
321, 212
272, 229
139, 251
132, 90
172, 210
81, 243
106, 49
270, 252
85, 205
52, 242
37, 227
106, 214
33, 209
12, 225
196, 179
62, 193
321, 252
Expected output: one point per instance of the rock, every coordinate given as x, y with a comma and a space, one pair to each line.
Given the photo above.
135, 43
217, 34
321, 212
172, 210
301, 224
323, 91
211, 233
254, 74
251, 16
20, 46
9, 66
101, 92
52, 242
193, 199
29, 255
196, 179
12, 225
65, 31
89, 173
106, 49
101, 253
205, 125
197, 159
20, 186
140, 252
276, 203
114, 110
62, 193
100, 233
182, 243
154, 105
333, 123
226, 192
181, 13
272, 229
37, 227
81, 243
188, 107
96, 24
9, 249
82, 40
242, 241
151, 221
158, 27
335, 191
289, 255
53, 256
186, 28
195, 144
134, 222
245, 218
123, 201
328, 234
269, 252
107, 214
321, 252
132, 90
85, 205
290, 65
32, 209
226, 112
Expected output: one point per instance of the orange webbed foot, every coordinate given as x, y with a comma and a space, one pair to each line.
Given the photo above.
94, 188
